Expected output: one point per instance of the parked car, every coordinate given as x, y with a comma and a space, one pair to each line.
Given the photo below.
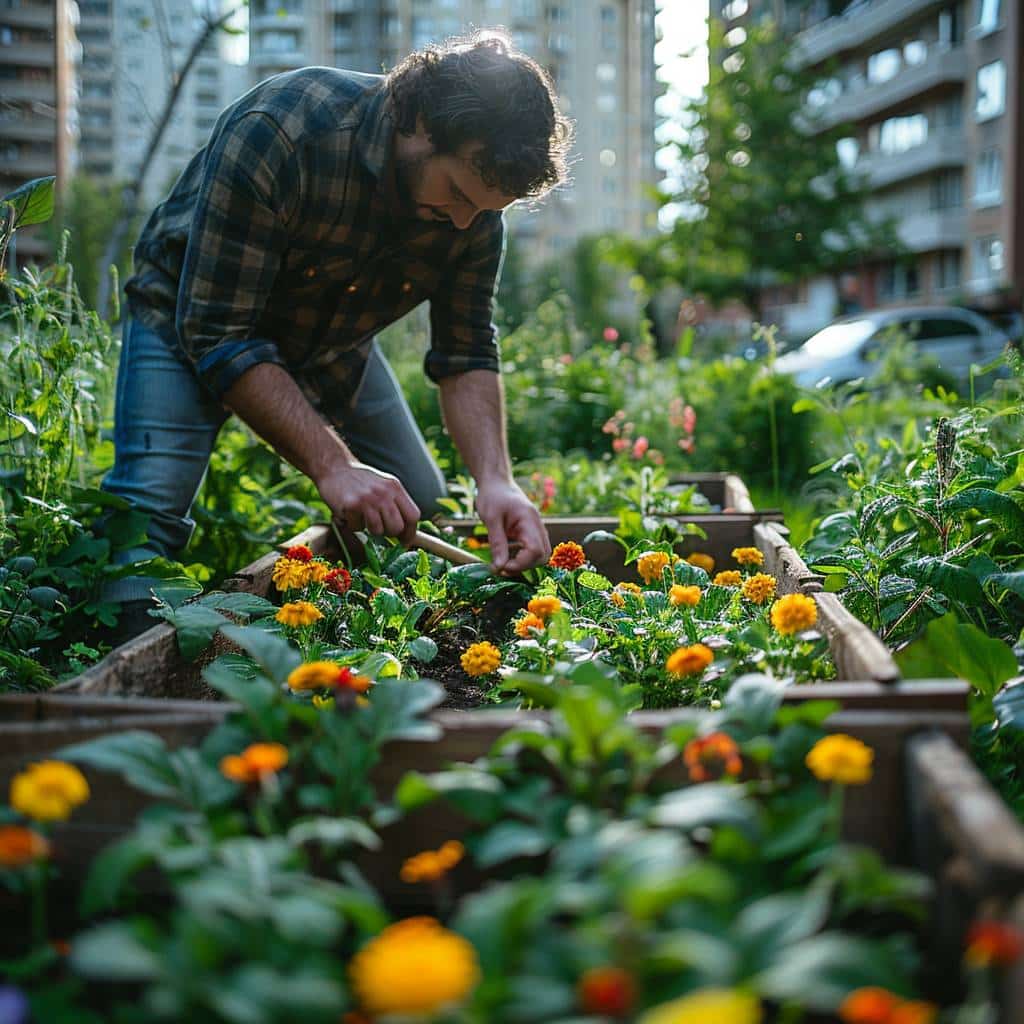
948, 337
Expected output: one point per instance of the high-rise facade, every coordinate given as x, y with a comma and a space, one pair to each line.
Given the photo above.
600, 54
132, 49
931, 90
39, 52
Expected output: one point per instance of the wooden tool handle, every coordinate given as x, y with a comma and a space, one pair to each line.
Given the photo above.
441, 548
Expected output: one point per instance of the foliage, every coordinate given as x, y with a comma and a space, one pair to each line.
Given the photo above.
771, 200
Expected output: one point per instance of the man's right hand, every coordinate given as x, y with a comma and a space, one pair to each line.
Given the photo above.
366, 498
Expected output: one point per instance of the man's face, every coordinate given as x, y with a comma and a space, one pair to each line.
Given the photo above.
445, 188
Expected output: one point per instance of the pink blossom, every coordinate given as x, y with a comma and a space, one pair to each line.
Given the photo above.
620, 444
689, 419
687, 444
565, 359
610, 334
640, 446
549, 486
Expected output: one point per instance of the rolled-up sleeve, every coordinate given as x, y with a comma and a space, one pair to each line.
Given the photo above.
462, 332
235, 245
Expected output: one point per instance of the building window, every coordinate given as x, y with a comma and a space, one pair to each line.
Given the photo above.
605, 72
988, 259
949, 113
607, 157
898, 134
988, 15
897, 281
947, 270
609, 186
883, 65
951, 31
915, 52
735, 9
991, 91
607, 15
606, 103
988, 178
848, 151
947, 191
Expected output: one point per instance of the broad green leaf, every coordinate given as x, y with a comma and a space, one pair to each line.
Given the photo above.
112, 952
195, 625
423, 649
593, 580
109, 872
1012, 581
270, 651
1009, 707
334, 832
32, 202
988, 503
175, 592
141, 758
947, 578
510, 839
712, 803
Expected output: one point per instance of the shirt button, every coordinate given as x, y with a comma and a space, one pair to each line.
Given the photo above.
352, 288
310, 271
406, 286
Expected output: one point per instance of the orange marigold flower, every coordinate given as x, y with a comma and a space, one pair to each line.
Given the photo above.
527, 623
315, 675
616, 598
868, 1006
915, 1012
288, 574
316, 571
651, 564
993, 943
841, 758
748, 556
793, 613
567, 555
702, 561
476, 543
728, 578
606, 991
20, 846
298, 613
680, 595
255, 762
432, 865
759, 588
630, 588
544, 606
710, 757
48, 791
480, 659
689, 661
299, 553
414, 968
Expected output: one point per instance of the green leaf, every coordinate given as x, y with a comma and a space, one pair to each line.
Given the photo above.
270, 651
947, 578
195, 625
236, 679
464, 579
141, 758
251, 606
109, 872
112, 952
334, 832
32, 202
175, 592
960, 649
988, 503
423, 649
712, 803
471, 790
593, 580
1012, 581
1009, 707
510, 839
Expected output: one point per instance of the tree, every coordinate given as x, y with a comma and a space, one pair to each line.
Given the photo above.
764, 194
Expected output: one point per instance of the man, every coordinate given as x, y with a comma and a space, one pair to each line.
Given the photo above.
326, 205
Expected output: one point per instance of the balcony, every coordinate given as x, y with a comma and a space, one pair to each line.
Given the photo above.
27, 90
32, 55
858, 27
273, 20
943, 67
946, 149
933, 229
29, 16
26, 128
28, 167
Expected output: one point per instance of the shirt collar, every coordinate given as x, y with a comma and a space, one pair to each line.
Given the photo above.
376, 133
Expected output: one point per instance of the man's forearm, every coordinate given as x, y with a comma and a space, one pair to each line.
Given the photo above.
473, 405
268, 400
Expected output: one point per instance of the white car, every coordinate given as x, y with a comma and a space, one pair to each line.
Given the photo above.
951, 337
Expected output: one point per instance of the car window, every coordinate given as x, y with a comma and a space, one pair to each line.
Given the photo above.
945, 327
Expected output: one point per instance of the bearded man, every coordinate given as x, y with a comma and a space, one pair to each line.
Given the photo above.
326, 205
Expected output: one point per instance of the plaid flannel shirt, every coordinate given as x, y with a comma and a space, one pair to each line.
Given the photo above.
280, 244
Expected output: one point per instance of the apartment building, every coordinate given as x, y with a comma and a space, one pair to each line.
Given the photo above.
39, 52
600, 54
931, 90
132, 49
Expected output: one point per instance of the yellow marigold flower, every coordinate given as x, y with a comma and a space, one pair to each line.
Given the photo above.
20, 846
432, 865
629, 588
414, 967
702, 561
759, 588
707, 1006
689, 595
748, 556
616, 598
651, 564
298, 613
314, 675
728, 578
255, 762
567, 555
480, 659
288, 574
841, 758
793, 613
689, 661
316, 571
323, 703
544, 607
48, 791
526, 623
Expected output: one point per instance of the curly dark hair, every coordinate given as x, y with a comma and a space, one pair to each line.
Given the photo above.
477, 88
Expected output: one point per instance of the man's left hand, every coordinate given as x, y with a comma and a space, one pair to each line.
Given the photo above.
517, 536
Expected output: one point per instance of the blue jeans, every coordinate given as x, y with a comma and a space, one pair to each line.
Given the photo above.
166, 424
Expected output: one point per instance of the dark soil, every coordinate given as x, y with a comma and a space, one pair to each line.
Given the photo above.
464, 691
